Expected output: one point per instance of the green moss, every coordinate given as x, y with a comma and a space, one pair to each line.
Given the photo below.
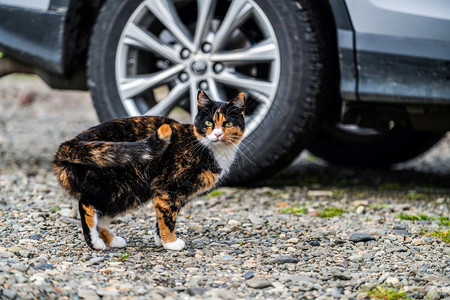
444, 220
329, 212
386, 293
1, 54
441, 234
378, 206
214, 193
293, 210
413, 195
124, 256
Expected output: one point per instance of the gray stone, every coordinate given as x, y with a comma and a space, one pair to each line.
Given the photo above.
43, 266
285, 259
258, 283
360, 237
203, 240
88, 294
97, 260
20, 267
249, 275
9, 293
356, 258
432, 294
340, 275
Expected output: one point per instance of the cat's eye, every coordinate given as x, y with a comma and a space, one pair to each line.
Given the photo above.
228, 124
208, 123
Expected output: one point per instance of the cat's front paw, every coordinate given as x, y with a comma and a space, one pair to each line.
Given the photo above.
98, 244
118, 242
158, 240
176, 245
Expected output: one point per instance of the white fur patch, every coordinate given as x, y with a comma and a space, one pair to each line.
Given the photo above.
97, 242
176, 245
118, 242
224, 155
158, 240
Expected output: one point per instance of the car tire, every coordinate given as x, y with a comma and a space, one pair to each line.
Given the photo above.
285, 129
353, 148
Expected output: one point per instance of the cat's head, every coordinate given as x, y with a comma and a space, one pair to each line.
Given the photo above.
220, 123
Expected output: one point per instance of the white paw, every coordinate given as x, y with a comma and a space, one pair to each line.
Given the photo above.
118, 242
158, 240
98, 244
176, 245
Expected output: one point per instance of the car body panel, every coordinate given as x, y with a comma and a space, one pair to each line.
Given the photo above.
32, 31
34, 44
402, 50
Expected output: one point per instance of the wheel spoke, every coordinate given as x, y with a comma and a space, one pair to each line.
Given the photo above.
135, 36
164, 107
246, 83
168, 16
237, 13
217, 93
205, 11
265, 50
193, 100
132, 86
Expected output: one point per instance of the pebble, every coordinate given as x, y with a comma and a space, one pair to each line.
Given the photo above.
9, 293
292, 241
356, 258
340, 275
360, 237
249, 275
319, 193
234, 223
36, 237
432, 294
97, 260
392, 280
314, 243
285, 259
43, 266
258, 283
20, 267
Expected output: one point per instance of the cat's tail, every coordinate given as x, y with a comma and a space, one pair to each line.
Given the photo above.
109, 154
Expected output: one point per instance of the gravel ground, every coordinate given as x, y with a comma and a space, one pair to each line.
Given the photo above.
270, 241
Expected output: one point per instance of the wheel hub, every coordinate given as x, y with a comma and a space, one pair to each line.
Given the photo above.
199, 65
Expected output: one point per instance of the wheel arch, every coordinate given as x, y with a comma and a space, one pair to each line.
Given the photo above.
327, 19
80, 19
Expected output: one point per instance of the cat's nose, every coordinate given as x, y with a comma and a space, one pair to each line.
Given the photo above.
218, 134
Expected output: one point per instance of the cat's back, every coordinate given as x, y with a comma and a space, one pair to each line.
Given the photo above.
125, 129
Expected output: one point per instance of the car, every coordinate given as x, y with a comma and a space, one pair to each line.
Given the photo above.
356, 82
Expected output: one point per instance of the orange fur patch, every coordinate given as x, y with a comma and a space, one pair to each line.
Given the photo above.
160, 203
164, 132
90, 215
218, 119
208, 179
106, 235
233, 134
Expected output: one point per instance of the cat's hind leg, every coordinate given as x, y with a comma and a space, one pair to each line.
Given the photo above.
166, 213
107, 236
89, 224
157, 235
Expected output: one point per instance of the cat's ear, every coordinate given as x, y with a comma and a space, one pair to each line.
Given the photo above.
203, 99
238, 102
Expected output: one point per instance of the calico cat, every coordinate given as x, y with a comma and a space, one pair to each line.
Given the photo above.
120, 165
